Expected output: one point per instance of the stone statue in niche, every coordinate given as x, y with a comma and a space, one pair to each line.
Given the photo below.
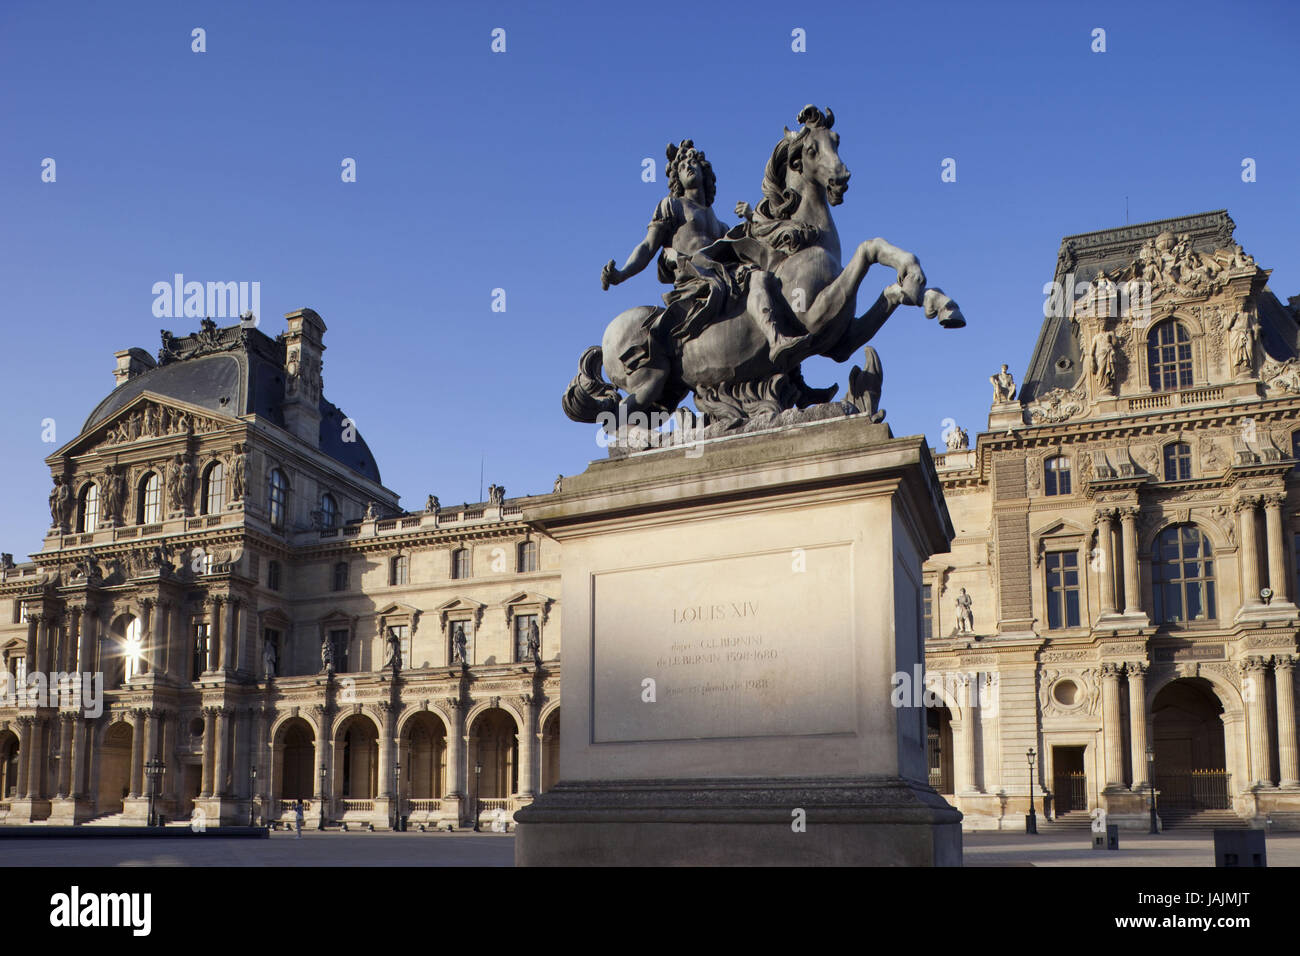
748, 305
268, 658
1101, 359
534, 643
458, 643
394, 650
965, 616
1242, 336
327, 656
238, 466
1004, 386
60, 503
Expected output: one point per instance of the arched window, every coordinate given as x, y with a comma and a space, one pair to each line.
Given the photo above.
277, 498
1178, 461
1182, 575
329, 512
1169, 357
1056, 476
214, 489
460, 567
527, 556
88, 509
149, 508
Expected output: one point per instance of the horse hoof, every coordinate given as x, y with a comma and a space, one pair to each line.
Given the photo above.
952, 319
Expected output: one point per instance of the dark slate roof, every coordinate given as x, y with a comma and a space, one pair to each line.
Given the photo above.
1057, 363
234, 371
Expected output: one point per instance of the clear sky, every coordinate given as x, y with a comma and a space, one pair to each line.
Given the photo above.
522, 171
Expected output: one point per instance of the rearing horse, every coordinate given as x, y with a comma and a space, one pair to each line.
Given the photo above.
791, 251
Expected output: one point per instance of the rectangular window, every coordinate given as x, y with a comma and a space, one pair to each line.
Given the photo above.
460, 566
1062, 589
273, 575
527, 556
399, 570
339, 639
18, 667
341, 576
524, 623
1056, 477
22, 612
461, 636
927, 611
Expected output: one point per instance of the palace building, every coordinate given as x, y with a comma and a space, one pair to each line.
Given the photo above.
1120, 597
1128, 544
269, 624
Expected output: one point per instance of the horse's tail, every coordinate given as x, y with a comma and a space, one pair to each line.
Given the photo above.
589, 395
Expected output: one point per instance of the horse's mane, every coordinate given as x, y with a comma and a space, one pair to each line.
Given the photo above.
779, 201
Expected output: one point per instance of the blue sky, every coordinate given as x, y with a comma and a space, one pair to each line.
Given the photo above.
522, 171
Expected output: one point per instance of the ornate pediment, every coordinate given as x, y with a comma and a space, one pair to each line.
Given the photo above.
460, 608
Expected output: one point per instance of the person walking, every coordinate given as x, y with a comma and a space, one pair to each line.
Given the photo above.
297, 818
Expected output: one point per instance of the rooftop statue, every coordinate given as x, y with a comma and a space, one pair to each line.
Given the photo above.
749, 304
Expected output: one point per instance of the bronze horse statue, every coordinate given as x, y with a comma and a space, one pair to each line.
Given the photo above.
789, 251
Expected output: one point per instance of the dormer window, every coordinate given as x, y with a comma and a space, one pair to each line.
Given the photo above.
329, 512
214, 489
88, 509
149, 509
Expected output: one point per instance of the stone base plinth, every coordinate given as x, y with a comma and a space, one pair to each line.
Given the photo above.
782, 822
1004, 415
67, 811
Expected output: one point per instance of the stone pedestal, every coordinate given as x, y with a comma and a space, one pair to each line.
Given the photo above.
1004, 415
735, 614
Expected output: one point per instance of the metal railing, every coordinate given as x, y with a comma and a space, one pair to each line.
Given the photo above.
1071, 792
1195, 790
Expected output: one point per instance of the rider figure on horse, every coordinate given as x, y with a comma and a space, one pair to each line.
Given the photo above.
682, 229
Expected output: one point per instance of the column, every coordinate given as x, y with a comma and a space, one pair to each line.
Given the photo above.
159, 637
86, 655
1276, 549
219, 754
36, 760
78, 757
230, 639
456, 786
1249, 551
74, 640
214, 632
1105, 532
137, 753
24, 749
1255, 690
385, 772
34, 619
1132, 580
1110, 726
65, 754
527, 747
1137, 721
209, 738
1284, 677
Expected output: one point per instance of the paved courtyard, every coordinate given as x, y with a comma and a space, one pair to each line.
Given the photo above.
1190, 848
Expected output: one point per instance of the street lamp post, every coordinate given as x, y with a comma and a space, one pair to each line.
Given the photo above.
321, 824
397, 795
252, 795
478, 792
154, 768
1151, 783
1031, 820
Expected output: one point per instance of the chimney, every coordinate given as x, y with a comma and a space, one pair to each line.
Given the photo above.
302, 374
130, 363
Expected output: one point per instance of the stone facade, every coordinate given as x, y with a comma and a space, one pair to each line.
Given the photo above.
223, 552
1128, 536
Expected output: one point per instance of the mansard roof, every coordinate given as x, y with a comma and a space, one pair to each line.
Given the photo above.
1057, 361
233, 371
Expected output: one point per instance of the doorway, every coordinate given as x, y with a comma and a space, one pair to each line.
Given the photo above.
1069, 779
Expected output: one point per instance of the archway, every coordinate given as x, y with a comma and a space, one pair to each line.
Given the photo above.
424, 740
115, 767
938, 748
8, 764
551, 750
357, 758
1187, 733
294, 767
494, 740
